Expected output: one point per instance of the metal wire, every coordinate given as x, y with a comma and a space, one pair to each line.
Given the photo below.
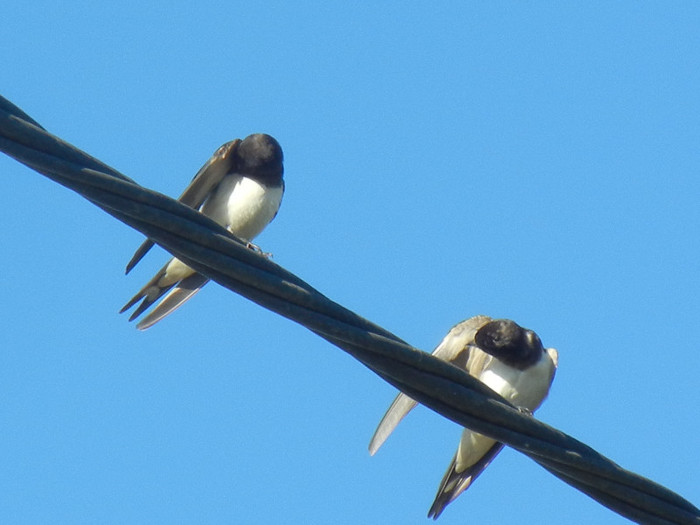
446, 389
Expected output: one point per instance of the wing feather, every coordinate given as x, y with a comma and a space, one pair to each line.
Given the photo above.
204, 181
454, 348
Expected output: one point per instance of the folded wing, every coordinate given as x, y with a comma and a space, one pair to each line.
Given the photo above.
455, 349
204, 181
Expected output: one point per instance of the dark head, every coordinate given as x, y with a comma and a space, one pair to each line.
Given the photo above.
260, 157
507, 341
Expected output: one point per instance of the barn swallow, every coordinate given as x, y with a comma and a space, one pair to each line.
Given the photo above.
239, 187
505, 357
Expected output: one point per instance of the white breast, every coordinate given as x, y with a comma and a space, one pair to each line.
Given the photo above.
243, 205
526, 388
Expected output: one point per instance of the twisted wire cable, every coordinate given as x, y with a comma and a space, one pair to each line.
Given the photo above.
213, 251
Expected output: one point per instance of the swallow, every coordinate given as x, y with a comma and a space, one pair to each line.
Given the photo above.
240, 187
507, 358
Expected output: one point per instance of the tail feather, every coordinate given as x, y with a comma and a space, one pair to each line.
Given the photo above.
148, 301
454, 483
183, 291
150, 293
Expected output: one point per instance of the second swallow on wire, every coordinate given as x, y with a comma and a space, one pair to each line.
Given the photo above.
507, 358
239, 187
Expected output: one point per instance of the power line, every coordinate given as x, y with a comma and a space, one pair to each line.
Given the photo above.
213, 251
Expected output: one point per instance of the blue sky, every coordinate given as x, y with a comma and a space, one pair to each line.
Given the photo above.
529, 161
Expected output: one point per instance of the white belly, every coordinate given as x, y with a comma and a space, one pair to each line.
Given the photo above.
524, 389
241, 205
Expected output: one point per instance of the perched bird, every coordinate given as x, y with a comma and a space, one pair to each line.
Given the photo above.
239, 187
508, 359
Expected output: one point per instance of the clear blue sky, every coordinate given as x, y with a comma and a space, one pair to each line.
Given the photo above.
534, 162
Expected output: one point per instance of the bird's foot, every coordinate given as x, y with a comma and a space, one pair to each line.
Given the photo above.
257, 249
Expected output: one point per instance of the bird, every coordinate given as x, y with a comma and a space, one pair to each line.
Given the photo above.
507, 358
241, 188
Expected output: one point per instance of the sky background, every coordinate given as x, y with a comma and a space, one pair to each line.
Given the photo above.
529, 161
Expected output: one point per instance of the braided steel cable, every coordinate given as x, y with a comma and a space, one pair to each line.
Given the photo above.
213, 251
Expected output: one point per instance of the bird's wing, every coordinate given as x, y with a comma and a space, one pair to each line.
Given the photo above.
205, 180
139, 254
454, 348
210, 175
401, 406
